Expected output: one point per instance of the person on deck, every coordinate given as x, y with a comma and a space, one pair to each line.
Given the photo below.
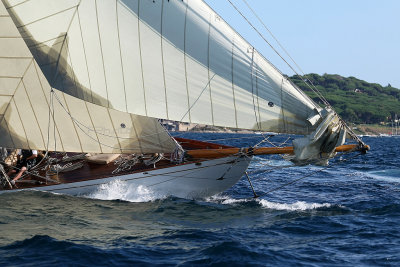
26, 160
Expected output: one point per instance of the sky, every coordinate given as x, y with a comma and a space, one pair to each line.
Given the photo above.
359, 38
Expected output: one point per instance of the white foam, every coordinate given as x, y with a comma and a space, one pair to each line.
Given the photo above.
258, 162
299, 205
390, 175
221, 199
230, 201
120, 190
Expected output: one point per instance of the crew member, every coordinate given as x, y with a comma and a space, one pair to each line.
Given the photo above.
26, 159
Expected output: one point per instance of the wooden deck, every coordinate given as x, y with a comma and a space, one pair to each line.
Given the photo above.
93, 171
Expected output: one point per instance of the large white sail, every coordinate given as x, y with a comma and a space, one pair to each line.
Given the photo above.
75, 125
165, 59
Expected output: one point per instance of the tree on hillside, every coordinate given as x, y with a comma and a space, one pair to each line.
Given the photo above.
355, 100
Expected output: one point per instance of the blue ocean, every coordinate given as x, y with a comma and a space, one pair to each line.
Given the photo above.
344, 215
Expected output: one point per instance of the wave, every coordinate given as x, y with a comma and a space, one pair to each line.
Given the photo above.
296, 206
258, 162
119, 190
389, 175
44, 250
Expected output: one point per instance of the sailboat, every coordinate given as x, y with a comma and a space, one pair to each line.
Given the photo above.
86, 82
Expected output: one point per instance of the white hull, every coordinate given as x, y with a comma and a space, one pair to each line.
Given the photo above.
184, 181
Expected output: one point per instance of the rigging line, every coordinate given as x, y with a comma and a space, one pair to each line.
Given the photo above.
308, 175
296, 164
184, 175
262, 141
281, 46
48, 134
313, 87
178, 146
201, 93
54, 120
304, 75
252, 90
273, 36
232, 138
272, 47
119, 148
5, 176
272, 168
275, 144
48, 125
32, 173
87, 127
281, 144
192, 169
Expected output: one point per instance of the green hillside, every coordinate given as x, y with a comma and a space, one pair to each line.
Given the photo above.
355, 100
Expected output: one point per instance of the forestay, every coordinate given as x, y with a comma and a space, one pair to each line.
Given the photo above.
165, 59
75, 125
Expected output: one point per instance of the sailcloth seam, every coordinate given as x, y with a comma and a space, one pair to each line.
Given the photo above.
162, 58
84, 52
102, 54
33, 111
185, 60
120, 55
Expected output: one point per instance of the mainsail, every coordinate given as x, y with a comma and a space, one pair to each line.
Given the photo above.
73, 125
173, 59
96, 75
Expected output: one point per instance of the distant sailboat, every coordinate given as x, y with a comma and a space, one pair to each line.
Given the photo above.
80, 77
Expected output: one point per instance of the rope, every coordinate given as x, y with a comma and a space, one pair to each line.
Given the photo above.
4, 177
51, 114
80, 125
126, 163
90, 129
272, 168
308, 175
67, 158
33, 174
312, 86
238, 156
272, 47
273, 36
52, 93
263, 141
194, 103
153, 160
201, 93
66, 168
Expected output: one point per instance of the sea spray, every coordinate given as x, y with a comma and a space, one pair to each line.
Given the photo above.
296, 206
122, 191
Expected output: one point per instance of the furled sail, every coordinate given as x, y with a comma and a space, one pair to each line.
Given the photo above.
169, 59
75, 125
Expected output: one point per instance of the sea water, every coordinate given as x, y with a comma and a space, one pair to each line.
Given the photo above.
344, 215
